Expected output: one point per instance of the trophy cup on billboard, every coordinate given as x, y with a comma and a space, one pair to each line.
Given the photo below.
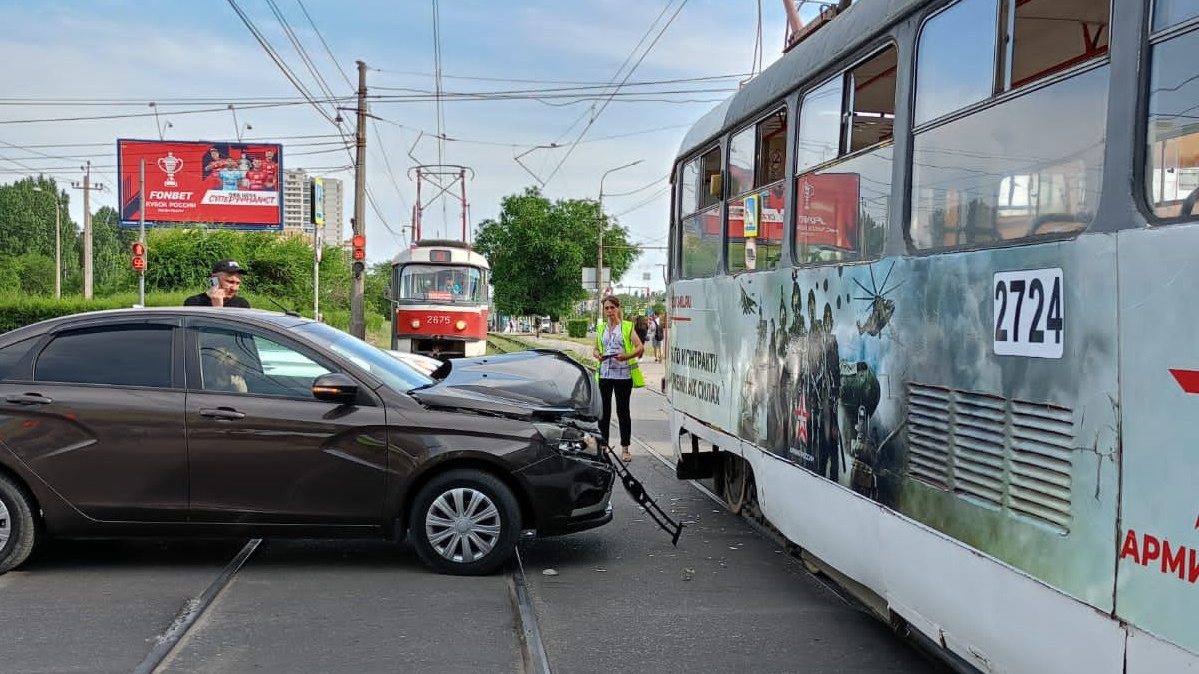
170, 165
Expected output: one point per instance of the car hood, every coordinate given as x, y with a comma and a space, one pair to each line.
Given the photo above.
538, 383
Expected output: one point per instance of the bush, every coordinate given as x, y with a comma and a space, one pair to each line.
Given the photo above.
577, 327
16, 312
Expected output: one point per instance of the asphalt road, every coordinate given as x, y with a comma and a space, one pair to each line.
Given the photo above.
616, 599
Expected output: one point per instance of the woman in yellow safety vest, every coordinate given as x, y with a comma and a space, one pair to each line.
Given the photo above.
617, 348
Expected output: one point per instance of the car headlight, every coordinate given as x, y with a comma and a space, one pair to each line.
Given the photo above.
567, 439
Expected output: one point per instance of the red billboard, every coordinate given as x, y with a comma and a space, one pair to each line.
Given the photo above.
235, 185
826, 212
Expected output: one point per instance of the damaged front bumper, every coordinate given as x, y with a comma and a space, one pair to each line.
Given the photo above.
572, 486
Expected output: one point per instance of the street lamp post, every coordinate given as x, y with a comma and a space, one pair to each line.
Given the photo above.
57, 243
599, 266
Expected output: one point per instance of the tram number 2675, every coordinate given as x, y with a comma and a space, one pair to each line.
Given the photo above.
1029, 314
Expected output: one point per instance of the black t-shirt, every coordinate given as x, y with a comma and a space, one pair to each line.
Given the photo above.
202, 300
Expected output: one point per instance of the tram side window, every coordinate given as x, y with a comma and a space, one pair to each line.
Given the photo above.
700, 232
974, 49
1030, 165
1168, 13
819, 126
1172, 174
843, 163
955, 58
756, 171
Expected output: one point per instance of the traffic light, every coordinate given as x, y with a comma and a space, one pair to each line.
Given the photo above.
139, 256
358, 254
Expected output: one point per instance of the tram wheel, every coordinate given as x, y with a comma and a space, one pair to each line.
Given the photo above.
735, 478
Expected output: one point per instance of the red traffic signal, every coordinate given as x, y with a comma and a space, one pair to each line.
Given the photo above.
139, 256
359, 244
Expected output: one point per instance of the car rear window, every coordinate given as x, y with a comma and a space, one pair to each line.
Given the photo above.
125, 355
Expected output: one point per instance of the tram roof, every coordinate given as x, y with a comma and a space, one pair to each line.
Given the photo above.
829, 45
465, 253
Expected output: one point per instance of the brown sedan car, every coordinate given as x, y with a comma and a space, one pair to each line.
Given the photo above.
224, 422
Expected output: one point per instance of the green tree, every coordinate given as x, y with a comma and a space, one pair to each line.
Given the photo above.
37, 273
112, 246
378, 276
538, 248
27, 217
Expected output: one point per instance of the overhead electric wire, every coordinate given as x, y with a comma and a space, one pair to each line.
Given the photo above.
112, 144
299, 47
382, 148
274, 55
113, 102
655, 183
340, 71
437, 83
440, 109
645, 202
598, 88
622, 66
580, 83
138, 115
629, 74
335, 120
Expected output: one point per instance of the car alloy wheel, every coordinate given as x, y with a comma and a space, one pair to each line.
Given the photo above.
5, 525
17, 530
465, 522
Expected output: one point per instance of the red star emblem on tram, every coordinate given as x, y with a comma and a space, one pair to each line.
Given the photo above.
801, 415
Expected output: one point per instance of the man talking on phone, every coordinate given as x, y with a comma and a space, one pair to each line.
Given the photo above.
223, 284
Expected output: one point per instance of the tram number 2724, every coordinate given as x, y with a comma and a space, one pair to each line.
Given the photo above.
1029, 315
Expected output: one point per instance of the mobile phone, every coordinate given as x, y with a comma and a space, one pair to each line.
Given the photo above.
214, 282
606, 356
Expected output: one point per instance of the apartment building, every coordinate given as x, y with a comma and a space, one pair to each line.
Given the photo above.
297, 206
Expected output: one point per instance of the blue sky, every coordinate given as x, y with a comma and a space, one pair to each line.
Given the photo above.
66, 58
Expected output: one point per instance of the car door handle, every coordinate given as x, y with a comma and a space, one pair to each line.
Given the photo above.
29, 399
222, 413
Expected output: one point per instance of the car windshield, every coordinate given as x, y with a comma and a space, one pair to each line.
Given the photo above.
391, 371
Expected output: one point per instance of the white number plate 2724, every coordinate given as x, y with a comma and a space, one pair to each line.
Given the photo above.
1029, 315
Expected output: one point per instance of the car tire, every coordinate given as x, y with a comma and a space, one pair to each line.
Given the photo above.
464, 522
18, 531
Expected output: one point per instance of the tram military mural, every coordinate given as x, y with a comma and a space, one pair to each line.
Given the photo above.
808, 402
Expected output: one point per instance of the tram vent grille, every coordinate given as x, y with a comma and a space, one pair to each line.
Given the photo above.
1012, 455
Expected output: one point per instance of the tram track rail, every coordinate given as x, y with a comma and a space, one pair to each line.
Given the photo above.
533, 654
193, 610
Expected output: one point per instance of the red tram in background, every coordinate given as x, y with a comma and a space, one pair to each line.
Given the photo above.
439, 296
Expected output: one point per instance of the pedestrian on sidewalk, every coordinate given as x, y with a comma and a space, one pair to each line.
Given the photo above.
641, 327
617, 348
660, 338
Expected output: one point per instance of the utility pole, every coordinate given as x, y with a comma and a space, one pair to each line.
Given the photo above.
358, 280
87, 187
599, 267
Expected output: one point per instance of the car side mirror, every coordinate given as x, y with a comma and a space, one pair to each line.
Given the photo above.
335, 387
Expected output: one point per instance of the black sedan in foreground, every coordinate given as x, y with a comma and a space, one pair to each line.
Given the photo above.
209, 422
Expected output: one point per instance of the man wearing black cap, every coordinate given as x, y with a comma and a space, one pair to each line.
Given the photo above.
224, 283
